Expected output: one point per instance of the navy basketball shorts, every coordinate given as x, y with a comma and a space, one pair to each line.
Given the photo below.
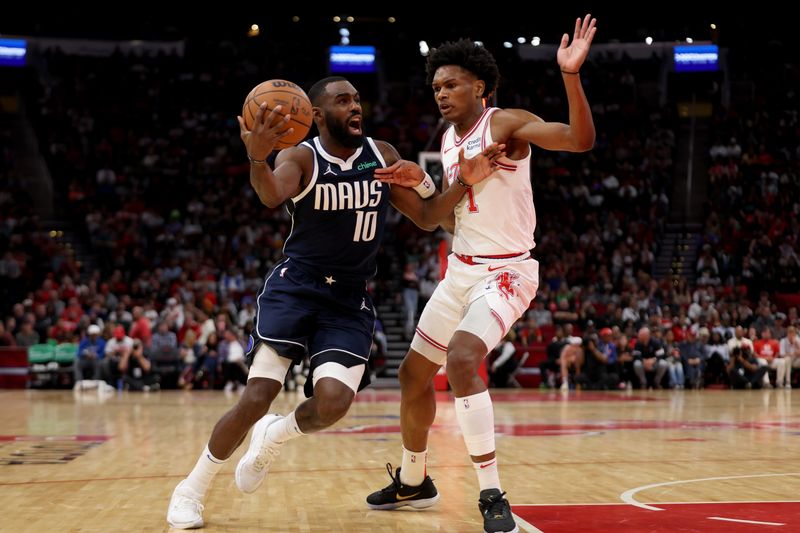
299, 314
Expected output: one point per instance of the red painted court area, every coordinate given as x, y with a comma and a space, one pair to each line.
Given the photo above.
728, 517
545, 430
372, 396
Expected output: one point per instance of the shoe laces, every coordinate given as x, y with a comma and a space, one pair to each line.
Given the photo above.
185, 503
265, 456
494, 506
395, 484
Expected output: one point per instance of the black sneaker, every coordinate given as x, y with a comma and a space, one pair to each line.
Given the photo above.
397, 495
496, 512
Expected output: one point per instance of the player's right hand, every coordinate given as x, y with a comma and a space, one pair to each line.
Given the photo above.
261, 141
476, 169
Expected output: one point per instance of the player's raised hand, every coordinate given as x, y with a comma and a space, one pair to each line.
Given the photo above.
261, 141
570, 58
478, 168
401, 172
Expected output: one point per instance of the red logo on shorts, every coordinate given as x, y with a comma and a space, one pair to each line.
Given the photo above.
506, 281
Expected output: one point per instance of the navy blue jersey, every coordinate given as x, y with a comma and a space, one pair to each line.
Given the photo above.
338, 218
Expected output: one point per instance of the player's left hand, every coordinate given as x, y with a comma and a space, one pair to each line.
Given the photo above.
403, 173
570, 58
478, 168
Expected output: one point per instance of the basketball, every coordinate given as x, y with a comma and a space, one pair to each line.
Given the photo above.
292, 99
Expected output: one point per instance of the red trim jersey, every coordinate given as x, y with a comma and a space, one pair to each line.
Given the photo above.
497, 215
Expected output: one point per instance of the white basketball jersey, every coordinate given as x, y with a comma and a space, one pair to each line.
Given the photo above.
496, 217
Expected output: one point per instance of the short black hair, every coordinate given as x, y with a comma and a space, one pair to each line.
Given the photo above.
469, 56
318, 89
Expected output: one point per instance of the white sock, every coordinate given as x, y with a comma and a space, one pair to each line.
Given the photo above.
476, 419
199, 479
488, 476
412, 471
284, 429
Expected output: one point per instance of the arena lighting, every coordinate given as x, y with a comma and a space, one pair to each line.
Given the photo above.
352, 58
295, 19
12, 52
696, 58
521, 40
713, 26
536, 41
648, 40
507, 44
689, 40
424, 49
392, 20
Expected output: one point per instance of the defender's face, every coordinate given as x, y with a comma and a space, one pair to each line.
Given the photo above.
341, 108
457, 91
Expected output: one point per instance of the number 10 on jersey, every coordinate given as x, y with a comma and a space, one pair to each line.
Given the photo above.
366, 223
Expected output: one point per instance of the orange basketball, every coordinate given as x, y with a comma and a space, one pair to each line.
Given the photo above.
292, 99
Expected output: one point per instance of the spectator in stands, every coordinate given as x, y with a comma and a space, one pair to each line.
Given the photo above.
528, 330
600, 361
693, 356
717, 355
137, 370
767, 353
624, 358
119, 346
779, 329
173, 314
163, 353
571, 356
505, 363
141, 328
649, 358
790, 351
540, 314
91, 352
739, 340
677, 378
247, 314
549, 368
6, 339
231, 353
743, 369
208, 363
27, 336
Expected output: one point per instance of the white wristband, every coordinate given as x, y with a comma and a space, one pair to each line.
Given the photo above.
426, 187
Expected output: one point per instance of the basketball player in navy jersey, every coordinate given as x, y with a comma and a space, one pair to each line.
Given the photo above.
491, 276
315, 302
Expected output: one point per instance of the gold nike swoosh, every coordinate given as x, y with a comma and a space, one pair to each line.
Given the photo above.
401, 498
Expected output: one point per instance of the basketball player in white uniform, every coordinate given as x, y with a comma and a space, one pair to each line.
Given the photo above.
491, 277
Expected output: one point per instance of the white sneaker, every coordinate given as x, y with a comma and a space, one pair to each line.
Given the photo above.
185, 508
254, 465
564, 386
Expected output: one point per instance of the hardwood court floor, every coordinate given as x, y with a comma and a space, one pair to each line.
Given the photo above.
640, 461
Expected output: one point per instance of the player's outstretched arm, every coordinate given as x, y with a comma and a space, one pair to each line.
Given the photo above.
579, 134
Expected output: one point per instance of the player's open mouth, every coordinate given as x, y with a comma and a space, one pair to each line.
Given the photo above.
444, 108
355, 125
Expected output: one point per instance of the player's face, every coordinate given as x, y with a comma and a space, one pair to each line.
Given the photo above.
343, 114
457, 92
